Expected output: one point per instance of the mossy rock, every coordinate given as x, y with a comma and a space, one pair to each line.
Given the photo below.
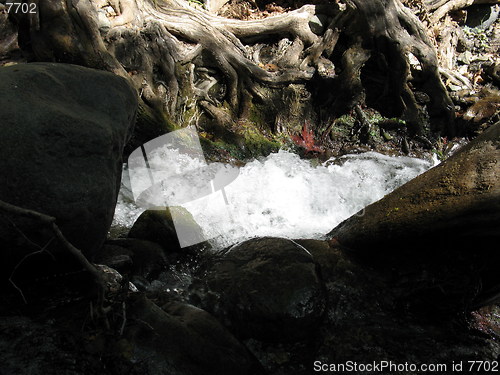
150, 123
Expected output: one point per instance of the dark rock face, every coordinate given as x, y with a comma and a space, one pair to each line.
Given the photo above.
63, 130
267, 288
158, 226
180, 339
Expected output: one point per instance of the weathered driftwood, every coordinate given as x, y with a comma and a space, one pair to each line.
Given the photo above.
172, 52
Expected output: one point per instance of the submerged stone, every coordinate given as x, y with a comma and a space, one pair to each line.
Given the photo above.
134, 257
267, 288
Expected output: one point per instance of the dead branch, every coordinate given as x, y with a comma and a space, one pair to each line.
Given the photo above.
11, 277
449, 6
51, 222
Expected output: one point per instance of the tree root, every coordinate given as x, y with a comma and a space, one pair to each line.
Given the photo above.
394, 32
445, 7
221, 38
156, 44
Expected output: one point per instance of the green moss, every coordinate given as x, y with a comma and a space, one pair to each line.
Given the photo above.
257, 144
153, 120
245, 142
150, 123
255, 115
220, 149
375, 134
345, 120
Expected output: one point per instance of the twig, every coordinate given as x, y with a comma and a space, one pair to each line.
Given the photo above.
124, 318
28, 239
327, 130
19, 290
51, 221
43, 249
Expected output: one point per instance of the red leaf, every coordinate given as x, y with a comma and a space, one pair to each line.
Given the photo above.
306, 140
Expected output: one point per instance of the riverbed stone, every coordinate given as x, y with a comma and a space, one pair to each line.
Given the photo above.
30, 347
267, 288
134, 257
63, 130
158, 226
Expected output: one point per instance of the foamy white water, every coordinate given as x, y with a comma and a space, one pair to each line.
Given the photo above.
283, 195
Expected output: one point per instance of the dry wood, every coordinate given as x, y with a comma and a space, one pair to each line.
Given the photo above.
451, 5
165, 47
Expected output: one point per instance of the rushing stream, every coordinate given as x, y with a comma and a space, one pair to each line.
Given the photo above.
283, 195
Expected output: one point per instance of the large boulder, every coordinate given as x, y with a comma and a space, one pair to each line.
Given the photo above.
458, 198
267, 288
63, 130
444, 224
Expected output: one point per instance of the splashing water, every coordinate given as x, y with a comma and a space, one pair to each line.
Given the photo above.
283, 195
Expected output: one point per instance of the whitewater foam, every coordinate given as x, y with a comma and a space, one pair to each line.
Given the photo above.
284, 195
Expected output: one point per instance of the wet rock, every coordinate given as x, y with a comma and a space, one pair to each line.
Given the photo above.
365, 310
63, 132
158, 226
326, 256
134, 257
114, 281
180, 339
267, 288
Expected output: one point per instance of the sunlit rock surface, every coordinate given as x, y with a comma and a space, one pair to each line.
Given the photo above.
442, 228
458, 198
